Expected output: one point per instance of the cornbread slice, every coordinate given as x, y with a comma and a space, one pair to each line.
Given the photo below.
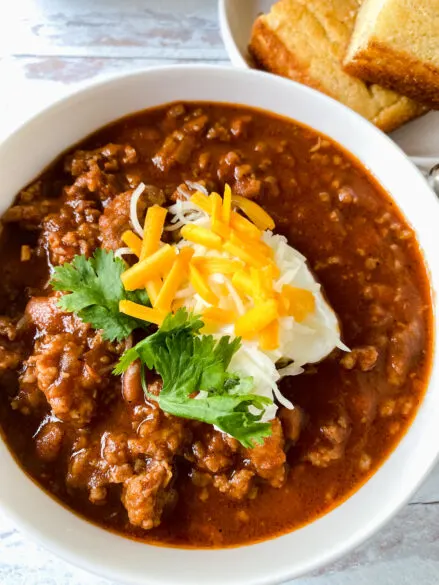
306, 40
396, 43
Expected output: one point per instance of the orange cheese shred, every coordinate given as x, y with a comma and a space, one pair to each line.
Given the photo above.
201, 235
298, 302
217, 315
201, 286
141, 312
253, 211
269, 336
154, 222
256, 319
245, 253
132, 241
153, 287
244, 226
221, 229
242, 281
216, 265
202, 201
139, 274
173, 280
217, 207
227, 204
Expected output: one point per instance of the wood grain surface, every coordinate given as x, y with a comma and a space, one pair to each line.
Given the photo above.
47, 47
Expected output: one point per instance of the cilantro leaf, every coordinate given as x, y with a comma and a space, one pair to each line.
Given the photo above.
96, 289
196, 383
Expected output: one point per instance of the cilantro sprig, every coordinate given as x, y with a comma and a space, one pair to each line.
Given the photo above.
95, 290
196, 383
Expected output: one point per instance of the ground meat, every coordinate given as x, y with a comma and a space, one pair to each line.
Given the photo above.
73, 230
11, 351
10, 355
404, 347
330, 445
62, 376
214, 451
49, 441
178, 146
96, 173
237, 486
232, 169
268, 460
109, 158
30, 216
8, 328
146, 495
361, 358
70, 372
115, 448
116, 217
159, 435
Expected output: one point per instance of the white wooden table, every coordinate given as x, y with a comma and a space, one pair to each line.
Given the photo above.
46, 48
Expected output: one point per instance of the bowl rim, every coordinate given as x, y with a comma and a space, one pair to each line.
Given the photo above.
276, 575
233, 52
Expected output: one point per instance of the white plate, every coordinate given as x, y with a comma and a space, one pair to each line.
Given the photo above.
419, 138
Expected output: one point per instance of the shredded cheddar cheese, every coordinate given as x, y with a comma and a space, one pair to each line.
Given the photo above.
269, 336
153, 287
201, 235
141, 312
256, 319
172, 282
132, 241
138, 275
254, 212
224, 260
154, 222
201, 286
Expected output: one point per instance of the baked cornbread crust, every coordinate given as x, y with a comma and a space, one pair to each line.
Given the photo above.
306, 40
396, 43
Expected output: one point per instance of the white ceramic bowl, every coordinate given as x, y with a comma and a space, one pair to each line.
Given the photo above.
35, 145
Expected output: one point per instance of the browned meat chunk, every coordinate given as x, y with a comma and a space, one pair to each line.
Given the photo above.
96, 172
237, 486
8, 328
330, 445
30, 215
268, 460
214, 451
10, 356
115, 448
405, 345
159, 435
146, 495
73, 230
11, 351
178, 146
64, 379
70, 374
109, 158
49, 441
241, 176
360, 358
116, 217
